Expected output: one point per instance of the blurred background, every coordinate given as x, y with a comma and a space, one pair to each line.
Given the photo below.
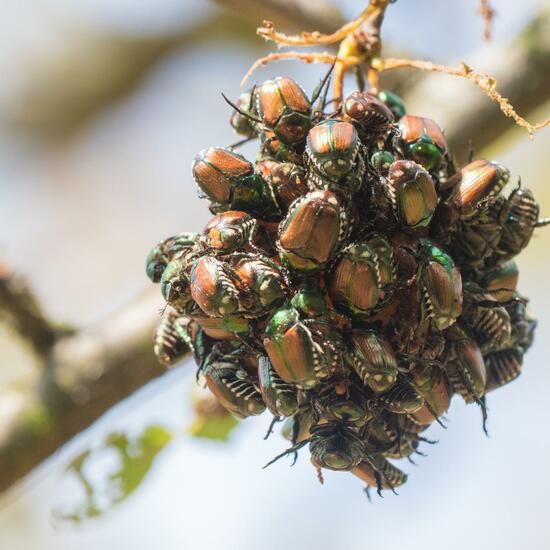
103, 106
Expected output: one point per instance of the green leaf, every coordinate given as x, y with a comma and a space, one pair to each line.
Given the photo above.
217, 428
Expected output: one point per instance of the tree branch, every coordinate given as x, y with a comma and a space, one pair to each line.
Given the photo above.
20, 310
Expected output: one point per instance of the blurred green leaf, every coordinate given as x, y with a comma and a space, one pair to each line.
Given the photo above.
213, 427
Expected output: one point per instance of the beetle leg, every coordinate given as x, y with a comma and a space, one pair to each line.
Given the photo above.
290, 450
271, 426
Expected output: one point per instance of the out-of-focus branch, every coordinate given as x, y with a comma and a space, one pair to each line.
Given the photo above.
86, 374
20, 310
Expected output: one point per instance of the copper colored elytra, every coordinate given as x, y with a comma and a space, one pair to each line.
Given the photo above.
352, 279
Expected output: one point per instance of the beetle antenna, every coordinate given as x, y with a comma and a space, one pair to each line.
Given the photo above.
323, 85
290, 450
411, 461
240, 111
271, 426
241, 142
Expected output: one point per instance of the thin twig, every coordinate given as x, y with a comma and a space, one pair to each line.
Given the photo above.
486, 83
488, 14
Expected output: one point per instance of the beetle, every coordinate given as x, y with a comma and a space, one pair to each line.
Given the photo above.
263, 282
284, 108
170, 345
241, 120
422, 140
465, 367
223, 328
302, 351
309, 299
412, 193
381, 161
363, 276
312, 231
373, 359
286, 180
503, 366
368, 113
519, 217
488, 320
214, 287
441, 286
228, 231
335, 446
477, 181
402, 397
393, 102
280, 397
175, 284
346, 403
432, 384
228, 180
231, 384
501, 281
332, 149
380, 473
161, 254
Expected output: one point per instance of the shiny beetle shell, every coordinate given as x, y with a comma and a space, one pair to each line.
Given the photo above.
393, 102
280, 398
369, 113
373, 359
441, 286
169, 344
242, 124
160, 255
230, 383
477, 181
412, 193
402, 398
287, 182
379, 473
466, 370
300, 353
216, 170
425, 140
335, 447
175, 284
501, 281
284, 108
213, 287
228, 231
312, 230
332, 147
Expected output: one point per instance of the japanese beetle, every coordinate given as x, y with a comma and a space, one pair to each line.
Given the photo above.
501, 281
345, 403
169, 344
312, 231
301, 351
241, 123
488, 320
373, 359
412, 193
261, 280
286, 180
477, 181
465, 368
402, 398
432, 384
213, 287
519, 219
309, 299
369, 114
423, 141
228, 231
393, 102
175, 284
503, 366
381, 161
379, 473
441, 286
335, 446
162, 253
280, 398
284, 108
363, 276
228, 180
231, 384
223, 328
332, 153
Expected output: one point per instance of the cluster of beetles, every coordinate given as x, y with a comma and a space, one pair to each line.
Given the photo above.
351, 280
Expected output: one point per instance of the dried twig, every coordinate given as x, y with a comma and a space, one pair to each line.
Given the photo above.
488, 14
487, 84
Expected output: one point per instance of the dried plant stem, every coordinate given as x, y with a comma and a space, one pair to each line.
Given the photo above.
488, 14
485, 83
